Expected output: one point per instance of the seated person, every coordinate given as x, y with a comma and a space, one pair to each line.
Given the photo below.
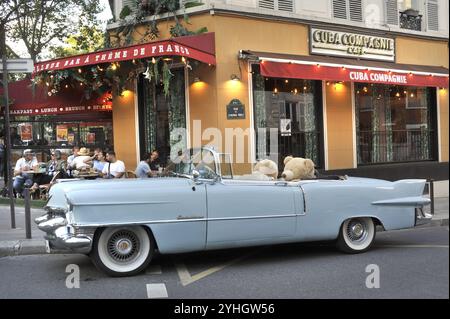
54, 166
99, 161
114, 168
154, 162
82, 161
24, 164
143, 169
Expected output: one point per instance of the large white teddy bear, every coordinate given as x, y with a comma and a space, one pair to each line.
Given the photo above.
297, 168
264, 170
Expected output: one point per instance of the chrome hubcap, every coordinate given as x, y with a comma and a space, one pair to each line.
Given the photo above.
123, 246
356, 231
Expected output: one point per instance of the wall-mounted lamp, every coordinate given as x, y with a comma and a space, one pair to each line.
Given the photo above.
234, 77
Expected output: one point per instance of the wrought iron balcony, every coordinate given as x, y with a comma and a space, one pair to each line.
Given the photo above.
411, 19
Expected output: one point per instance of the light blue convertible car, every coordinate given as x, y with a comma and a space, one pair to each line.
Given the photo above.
201, 206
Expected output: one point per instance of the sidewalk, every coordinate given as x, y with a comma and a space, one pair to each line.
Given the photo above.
13, 241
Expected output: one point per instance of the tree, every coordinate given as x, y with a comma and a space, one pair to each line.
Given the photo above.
42, 22
88, 39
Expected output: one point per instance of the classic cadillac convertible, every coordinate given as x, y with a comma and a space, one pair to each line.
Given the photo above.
200, 206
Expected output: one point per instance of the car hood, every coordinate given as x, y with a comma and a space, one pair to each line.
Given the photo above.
113, 191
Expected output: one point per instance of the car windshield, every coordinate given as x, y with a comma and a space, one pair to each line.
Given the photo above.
201, 160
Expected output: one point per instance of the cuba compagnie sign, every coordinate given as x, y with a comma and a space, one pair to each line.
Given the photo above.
352, 45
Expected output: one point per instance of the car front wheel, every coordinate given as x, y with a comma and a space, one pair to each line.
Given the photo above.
123, 251
356, 235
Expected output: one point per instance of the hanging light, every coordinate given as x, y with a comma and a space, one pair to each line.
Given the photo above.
113, 67
295, 91
183, 59
79, 70
397, 94
153, 60
275, 90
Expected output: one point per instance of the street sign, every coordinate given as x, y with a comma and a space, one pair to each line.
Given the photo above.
18, 65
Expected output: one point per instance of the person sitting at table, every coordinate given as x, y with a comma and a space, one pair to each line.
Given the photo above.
143, 169
82, 161
154, 160
99, 161
23, 165
114, 168
54, 166
70, 159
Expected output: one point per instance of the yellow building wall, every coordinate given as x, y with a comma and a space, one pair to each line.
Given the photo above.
339, 126
124, 124
443, 119
421, 52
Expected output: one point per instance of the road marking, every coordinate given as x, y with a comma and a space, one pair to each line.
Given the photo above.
413, 246
154, 270
186, 278
155, 291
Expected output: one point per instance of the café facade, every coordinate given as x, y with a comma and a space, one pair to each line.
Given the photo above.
355, 100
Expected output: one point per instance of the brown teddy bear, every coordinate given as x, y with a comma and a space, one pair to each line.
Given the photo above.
296, 168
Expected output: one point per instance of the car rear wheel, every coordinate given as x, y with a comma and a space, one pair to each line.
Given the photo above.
356, 235
123, 251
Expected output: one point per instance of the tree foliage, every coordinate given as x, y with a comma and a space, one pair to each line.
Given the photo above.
154, 9
42, 22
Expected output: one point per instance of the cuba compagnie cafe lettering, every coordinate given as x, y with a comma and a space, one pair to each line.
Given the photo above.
342, 43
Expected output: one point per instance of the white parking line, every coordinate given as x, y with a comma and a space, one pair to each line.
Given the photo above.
155, 291
154, 270
413, 246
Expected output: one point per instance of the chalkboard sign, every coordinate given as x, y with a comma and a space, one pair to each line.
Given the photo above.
235, 110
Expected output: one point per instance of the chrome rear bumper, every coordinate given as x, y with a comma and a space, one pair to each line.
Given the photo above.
63, 237
422, 217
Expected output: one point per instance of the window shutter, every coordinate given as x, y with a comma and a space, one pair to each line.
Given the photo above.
432, 15
130, 3
355, 7
340, 9
286, 5
267, 4
392, 13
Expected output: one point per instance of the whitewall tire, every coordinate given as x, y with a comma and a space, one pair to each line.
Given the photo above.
356, 235
123, 251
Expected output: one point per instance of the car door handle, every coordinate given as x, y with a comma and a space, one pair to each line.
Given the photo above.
281, 183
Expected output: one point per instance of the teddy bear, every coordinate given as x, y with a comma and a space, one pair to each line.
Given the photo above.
264, 170
296, 168
267, 167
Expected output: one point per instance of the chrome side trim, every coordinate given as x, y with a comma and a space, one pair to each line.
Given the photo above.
185, 220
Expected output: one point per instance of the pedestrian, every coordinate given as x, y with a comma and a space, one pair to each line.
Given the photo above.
114, 168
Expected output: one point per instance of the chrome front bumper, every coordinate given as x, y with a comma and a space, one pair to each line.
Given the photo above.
61, 236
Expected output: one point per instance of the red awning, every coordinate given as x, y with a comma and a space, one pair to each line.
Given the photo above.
339, 69
67, 101
199, 47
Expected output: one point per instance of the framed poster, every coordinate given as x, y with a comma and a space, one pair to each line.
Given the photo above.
26, 132
285, 127
90, 138
70, 138
62, 133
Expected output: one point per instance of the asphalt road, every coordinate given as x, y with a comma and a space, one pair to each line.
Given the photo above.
412, 264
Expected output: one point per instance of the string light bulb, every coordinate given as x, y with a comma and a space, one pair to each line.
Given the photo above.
113, 67
79, 71
153, 60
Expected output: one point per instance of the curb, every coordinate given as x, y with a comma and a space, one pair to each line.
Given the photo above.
38, 247
22, 247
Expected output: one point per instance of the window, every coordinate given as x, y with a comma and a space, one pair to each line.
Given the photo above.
392, 14
395, 123
280, 5
348, 9
288, 117
432, 15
